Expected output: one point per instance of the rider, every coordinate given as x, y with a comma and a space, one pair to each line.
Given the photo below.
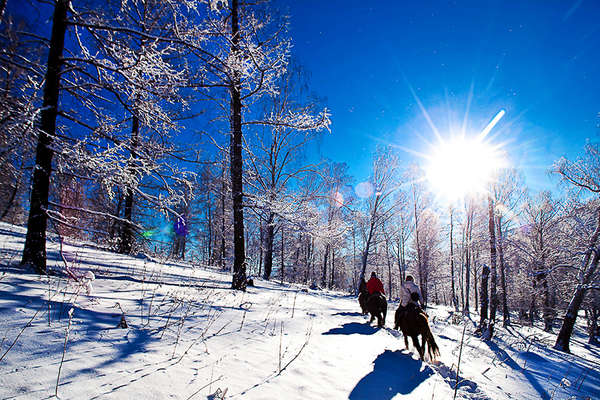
374, 284
408, 292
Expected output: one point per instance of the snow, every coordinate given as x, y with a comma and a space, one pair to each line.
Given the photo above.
189, 336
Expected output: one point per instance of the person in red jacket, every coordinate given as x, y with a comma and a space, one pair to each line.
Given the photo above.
374, 284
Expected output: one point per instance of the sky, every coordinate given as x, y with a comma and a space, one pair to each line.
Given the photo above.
374, 61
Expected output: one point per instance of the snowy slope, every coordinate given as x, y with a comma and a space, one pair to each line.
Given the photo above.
190, 337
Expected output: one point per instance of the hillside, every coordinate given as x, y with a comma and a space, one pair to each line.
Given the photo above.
189, 336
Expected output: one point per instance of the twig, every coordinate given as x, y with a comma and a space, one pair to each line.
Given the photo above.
245, 311
183, 317
201, 338
462, 339
64, 351
209, 383
294, 305
28, 324
280, 341
308, 335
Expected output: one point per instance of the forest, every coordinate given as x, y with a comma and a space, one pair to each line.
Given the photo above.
186, 130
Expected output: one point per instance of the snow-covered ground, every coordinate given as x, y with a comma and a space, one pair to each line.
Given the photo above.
189, 336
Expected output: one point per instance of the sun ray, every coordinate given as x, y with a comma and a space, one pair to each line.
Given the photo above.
469, 100
423, 110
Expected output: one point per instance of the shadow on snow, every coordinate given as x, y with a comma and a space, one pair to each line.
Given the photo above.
393, 372
349, 314
351, 328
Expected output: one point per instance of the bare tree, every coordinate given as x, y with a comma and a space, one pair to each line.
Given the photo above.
274, 158
380, 206
583, 174
34, 252
489, 330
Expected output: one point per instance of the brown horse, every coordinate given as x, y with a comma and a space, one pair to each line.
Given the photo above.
413, 322
377, 306
363, 296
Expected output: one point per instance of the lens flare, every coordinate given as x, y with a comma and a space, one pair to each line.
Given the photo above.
337, 199
364, 190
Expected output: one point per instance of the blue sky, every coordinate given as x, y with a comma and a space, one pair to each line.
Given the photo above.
538, 60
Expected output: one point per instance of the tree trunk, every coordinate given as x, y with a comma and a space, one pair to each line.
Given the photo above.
484, 298
585, 276
542, 277
454, 299
493, 271
115, 226
466, 309
505, 312
365, 255
260, 257
324, 272
223, 248
564, 336
332, 267
10, 200
309, 245
533, 295
282, 257
208, 227
127, 233
548, 314
269, 240
297, 259
34, 252
389, 265
235, 149
475, 289
591, 315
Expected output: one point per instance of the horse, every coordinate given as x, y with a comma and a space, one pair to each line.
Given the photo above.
363, 295
413, 322
377, 306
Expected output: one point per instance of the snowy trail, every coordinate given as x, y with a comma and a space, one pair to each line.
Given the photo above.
189, 336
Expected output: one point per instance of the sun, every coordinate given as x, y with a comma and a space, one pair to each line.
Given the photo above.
463, 165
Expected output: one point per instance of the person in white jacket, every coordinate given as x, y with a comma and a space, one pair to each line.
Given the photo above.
406, 292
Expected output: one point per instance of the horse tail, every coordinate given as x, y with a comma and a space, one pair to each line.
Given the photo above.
433, 350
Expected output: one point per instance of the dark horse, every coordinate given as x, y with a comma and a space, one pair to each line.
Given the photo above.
377, 306
363, 295
413, 322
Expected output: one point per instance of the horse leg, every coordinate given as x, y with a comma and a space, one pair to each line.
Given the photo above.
406, 341
424, 340
415, 340
380, 320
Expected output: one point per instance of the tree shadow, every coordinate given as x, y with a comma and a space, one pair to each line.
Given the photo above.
394, 372
510, 362
352, 328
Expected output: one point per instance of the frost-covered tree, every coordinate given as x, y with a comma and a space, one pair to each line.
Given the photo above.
275, 157
142, 70
34, 252
584, 175
509, 192
117, 75
379, 205
248, 53
420, 200
20, 83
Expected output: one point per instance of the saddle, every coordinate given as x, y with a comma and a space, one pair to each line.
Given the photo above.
410, 307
